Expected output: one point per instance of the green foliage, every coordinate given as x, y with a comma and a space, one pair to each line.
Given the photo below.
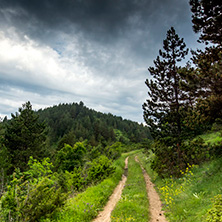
72, 181
43, 200
171, 157
208, 72
99, 169
68, 138
215, 213
67, 123
114, 151
5, 163
32, 195
24, 136
38, 170
69, 157
217, 125
85, 206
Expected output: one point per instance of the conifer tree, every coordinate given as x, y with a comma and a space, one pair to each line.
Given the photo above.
207, 19
162, 108
24, 136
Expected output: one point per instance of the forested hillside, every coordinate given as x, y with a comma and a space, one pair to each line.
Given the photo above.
79, 122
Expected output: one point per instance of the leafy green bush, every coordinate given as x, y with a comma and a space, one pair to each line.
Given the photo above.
170, 157
70, 157
71, 181
32, 195
215, 213
42, 200
216, 149
99, 169
114, 151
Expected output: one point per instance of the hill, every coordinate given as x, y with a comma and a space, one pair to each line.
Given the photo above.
79, 122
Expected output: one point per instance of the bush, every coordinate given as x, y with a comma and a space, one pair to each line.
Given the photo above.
71, 181
215, 213
42, 200
99, 169
32, 195
171, 158
70, 157
216, 149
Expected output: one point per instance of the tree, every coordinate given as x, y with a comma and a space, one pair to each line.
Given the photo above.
24, 136
207, 19
162, 108
70, 157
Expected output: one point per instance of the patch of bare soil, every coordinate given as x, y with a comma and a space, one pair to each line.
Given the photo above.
104, 216
156, 212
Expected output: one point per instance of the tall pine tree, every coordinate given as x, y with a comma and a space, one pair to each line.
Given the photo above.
24, 136
162, 108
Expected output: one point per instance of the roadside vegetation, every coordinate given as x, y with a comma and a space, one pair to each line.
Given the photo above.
86, 205
133, 205
196, 194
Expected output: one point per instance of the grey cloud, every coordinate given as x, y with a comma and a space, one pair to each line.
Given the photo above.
112, 42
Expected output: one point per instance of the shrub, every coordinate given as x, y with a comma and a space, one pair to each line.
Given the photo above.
70, 157
32, 195
171, 157
99, 169
215, 213
41, 200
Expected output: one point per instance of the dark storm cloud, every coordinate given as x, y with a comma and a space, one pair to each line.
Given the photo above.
96, 51
101, 19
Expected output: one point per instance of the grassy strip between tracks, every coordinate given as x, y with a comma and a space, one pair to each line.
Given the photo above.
133, 205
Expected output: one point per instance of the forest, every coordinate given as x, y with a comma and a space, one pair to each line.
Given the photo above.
49, 156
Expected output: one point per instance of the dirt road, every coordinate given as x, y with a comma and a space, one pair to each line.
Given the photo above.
154, 201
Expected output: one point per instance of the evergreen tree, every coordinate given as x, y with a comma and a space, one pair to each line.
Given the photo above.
207, 19
162, 108
24, 136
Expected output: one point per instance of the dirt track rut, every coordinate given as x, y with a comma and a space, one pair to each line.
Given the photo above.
156, 212
104, 216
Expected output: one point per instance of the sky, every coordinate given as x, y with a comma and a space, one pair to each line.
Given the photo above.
95, 51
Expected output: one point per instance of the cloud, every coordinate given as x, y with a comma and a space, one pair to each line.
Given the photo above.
96, 51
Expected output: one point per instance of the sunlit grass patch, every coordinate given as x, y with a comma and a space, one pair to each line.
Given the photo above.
211, 138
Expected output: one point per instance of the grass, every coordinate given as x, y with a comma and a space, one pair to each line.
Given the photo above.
133, 205
85, 206
191, 195
213, 137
